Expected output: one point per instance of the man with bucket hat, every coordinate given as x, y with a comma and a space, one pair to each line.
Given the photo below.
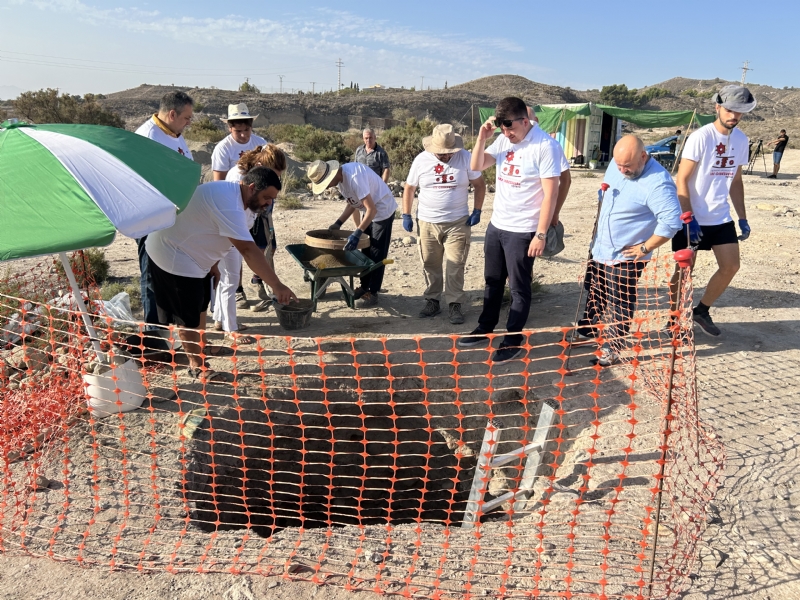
228, 152
710, 171
363, 190
443, 176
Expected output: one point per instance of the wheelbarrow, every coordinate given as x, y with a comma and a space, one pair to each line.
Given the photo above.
322, 267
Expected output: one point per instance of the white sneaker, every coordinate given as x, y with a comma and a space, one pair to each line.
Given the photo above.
607, 357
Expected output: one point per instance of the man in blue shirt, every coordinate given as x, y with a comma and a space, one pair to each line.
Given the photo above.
640, 212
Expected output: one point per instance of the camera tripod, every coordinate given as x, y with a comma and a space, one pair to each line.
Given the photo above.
754, 154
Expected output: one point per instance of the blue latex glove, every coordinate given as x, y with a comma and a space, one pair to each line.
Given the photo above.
474, 218
408, 223
352, 241
695, 233
336, 226
745, 229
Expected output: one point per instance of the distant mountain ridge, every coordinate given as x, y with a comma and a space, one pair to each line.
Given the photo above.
454, 105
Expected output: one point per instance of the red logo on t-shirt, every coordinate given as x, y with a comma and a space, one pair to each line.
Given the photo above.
509, 156
182, 153
720, 149
438, 169
241, 153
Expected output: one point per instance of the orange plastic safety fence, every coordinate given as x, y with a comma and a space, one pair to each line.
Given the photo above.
403, 465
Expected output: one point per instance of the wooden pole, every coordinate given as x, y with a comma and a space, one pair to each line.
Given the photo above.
472, 112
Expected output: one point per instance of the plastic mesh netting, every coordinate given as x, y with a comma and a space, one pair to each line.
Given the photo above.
403, 465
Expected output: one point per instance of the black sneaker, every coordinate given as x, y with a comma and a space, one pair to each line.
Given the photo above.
504, 353
706, 324
368, 300
475, 338
358, 292
456, 316
431, 309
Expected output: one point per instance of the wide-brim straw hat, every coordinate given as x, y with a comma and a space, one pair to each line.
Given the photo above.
443, 140
321, 173
238, 112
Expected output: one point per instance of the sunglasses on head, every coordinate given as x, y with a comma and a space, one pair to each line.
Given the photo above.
507, 123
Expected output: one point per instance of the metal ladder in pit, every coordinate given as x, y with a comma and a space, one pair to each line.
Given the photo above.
488, 459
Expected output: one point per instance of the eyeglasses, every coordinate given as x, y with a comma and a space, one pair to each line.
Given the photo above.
507, 123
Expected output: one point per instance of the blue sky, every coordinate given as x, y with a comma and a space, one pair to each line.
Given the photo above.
104, 45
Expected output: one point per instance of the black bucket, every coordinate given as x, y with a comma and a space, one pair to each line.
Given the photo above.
296, 315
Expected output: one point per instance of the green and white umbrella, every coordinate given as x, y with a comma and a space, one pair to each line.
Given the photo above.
69, 187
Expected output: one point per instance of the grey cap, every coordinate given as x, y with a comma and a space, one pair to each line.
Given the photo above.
736, 98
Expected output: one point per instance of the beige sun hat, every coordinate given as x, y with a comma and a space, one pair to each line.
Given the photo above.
320, 173
443, 141
238, 112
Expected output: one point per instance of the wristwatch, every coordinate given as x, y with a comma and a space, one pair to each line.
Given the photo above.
541, 236
643, 249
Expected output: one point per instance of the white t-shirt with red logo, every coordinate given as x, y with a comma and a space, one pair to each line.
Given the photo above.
718, 157
202, 233
149, 129
228, 152
443, 186
358, 182
520, 169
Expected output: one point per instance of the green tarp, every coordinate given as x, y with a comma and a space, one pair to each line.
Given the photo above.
654, 118
550, 118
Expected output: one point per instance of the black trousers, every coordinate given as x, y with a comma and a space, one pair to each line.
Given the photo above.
146, 284
380, 236
611, 299
506, 256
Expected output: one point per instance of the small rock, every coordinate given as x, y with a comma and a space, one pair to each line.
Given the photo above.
765, 206
41, 483
376, 557
409, 240
272, 585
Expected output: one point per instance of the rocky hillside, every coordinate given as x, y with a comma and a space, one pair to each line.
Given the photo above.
776, 107
333, 112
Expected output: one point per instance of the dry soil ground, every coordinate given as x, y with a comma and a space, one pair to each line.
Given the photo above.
747, 380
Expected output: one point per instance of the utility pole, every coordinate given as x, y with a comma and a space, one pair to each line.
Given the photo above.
312, 87
281, 78
745, 69
339, 65
421, 82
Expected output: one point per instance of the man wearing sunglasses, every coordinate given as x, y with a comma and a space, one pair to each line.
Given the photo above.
528, 165
227, 154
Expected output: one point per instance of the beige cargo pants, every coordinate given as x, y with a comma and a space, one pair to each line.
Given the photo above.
443, 248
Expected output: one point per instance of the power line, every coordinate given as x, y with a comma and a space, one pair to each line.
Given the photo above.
281, 78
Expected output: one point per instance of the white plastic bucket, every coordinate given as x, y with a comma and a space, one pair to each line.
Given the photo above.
100, 394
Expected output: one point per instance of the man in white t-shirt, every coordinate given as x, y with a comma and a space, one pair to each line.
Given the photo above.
443, 176
364, 191
711, 170
528, 165
165, 127
184, 257
228, 152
